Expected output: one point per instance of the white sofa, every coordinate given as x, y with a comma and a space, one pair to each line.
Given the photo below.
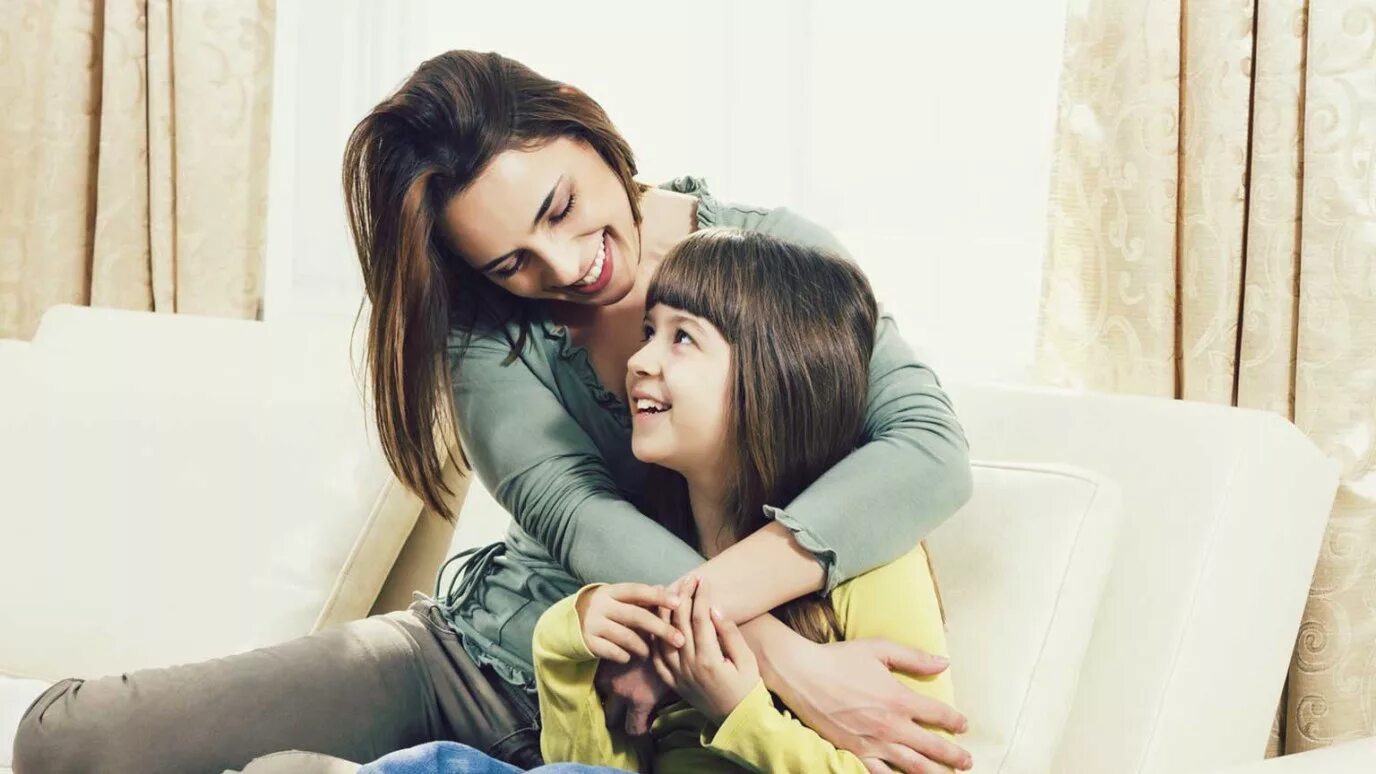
176, 488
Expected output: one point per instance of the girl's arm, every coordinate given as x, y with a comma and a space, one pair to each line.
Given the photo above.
573, 724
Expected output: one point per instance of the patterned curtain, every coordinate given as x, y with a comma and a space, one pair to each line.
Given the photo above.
134, 171
1213, 238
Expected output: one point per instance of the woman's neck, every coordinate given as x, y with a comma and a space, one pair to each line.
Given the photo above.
667, 218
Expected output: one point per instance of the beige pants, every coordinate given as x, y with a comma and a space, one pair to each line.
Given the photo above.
356, 691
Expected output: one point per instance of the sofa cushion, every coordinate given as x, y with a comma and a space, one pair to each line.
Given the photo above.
1022, 568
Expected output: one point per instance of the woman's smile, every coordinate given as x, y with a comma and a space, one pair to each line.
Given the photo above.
600, 273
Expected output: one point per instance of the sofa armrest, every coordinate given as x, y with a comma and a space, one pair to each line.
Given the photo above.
1356, 757
1221, 507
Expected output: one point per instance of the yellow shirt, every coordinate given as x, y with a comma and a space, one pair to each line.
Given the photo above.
897, 602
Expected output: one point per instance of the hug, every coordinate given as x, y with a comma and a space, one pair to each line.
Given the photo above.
720, 457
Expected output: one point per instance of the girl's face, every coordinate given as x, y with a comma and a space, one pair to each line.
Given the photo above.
679, 388
552, 222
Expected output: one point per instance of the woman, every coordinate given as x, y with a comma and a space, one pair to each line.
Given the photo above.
505, 247
750, 385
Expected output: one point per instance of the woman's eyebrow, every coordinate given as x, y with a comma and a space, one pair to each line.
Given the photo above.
544, 206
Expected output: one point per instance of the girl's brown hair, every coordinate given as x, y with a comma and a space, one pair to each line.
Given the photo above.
404, 162
801, 324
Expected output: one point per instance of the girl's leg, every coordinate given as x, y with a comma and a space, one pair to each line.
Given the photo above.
357, 691
454, 758
439, 758
575, 769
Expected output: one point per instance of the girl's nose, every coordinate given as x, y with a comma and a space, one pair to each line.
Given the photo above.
642, 363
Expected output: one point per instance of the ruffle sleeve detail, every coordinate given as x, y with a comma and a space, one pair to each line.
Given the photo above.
810, 542
709, 209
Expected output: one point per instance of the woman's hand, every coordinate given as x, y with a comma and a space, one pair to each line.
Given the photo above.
630, 693
844, 691
714, 669
616, 619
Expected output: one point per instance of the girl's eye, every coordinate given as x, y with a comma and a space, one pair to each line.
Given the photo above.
515, 267
682, 336
647, 333
567, 210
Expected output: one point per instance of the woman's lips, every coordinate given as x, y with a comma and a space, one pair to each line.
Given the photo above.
603, 279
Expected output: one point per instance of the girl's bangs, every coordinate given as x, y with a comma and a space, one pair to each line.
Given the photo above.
699, 277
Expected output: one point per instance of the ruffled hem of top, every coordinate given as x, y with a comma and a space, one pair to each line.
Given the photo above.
810, 542
456, 601
515, 676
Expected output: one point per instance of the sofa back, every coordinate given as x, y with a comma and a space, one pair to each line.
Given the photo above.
177, 488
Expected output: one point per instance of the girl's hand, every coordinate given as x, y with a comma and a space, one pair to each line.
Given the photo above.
616, 619
714, 669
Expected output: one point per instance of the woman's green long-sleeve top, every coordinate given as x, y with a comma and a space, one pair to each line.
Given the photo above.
553, 447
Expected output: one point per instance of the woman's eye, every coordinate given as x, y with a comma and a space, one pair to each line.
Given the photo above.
682, 336
567, 209
647, 333
513, 268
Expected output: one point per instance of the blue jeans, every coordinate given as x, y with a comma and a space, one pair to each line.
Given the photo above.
455, 758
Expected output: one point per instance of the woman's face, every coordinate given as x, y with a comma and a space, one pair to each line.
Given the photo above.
552, 222
679, 388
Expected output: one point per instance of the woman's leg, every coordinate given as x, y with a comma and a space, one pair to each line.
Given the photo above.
357, 691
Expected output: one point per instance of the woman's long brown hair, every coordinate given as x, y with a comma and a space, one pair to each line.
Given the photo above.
404, 162
801, 324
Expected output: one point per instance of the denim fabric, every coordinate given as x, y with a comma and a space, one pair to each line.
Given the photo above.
455, 758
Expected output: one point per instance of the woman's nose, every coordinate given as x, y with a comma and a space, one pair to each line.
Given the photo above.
563, 267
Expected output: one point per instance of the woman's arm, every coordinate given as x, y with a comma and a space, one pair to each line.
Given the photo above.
911, 474
541, 465
898, 603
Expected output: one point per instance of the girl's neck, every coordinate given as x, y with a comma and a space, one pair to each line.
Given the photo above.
708, 499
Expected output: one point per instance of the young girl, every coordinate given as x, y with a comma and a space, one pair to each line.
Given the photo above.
750, 385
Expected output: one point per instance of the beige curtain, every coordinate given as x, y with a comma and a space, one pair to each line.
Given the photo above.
134, 163
1213, 238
